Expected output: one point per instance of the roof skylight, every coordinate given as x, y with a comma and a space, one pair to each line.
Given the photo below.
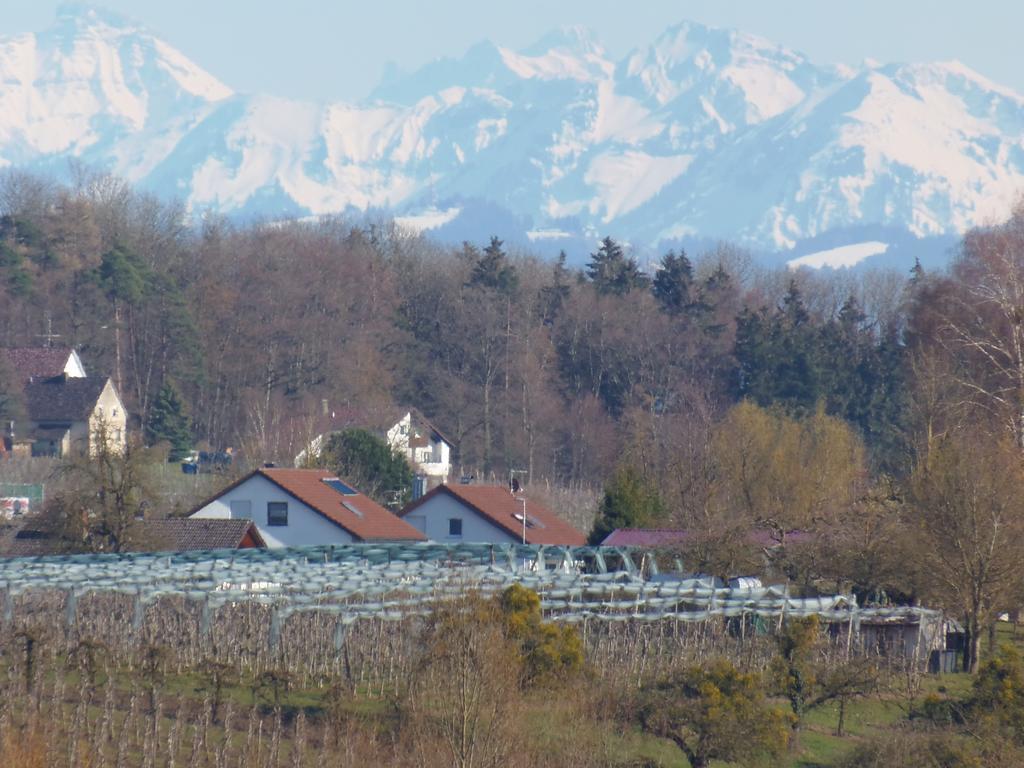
352, 508
531, 522
340, 487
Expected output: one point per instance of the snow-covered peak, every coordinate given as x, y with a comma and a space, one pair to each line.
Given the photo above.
93, 80
689, 46
735, 78
92, 41
576, 39
568, 53
82, 16
705, 132
479, 67
955, 73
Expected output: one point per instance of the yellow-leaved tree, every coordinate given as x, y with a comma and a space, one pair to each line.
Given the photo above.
715, 712
785, 474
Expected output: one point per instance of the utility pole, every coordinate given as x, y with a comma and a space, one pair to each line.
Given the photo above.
523, 499
514, 488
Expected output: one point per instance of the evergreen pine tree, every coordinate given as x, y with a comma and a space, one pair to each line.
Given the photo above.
13, 272
793, 306
917, 273
122, 275
12, 400
754, 354
709, 308
612, 273
493, 271
672, 283
168, 421
628, 502
779, 355
554, 295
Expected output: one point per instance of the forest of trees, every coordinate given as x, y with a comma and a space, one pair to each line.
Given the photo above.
247, 329
706, 392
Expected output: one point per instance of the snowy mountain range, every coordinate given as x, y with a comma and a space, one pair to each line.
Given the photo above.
703, 134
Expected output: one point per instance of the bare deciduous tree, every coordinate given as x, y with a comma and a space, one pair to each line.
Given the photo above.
464, 696
982, 322
107, 489
967, 517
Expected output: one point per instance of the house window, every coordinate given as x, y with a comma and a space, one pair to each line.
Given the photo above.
241, 509
455, 527
277, 513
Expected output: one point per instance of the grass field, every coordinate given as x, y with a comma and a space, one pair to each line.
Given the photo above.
818, 746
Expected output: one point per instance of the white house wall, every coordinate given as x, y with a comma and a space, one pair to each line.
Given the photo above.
439, 463
432, 518
398, 438
73, 368
108, 416
434, 460
311, 451
305, 525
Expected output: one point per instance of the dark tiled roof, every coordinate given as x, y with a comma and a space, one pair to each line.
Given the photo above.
28, 539
188, 533
370, 521
63, 399
36, 362
32, 536
499, 506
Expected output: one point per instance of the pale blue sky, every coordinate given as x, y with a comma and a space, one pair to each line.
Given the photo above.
337, 50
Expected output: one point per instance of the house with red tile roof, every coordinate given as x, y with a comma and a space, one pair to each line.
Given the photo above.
300, 507
489, 514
